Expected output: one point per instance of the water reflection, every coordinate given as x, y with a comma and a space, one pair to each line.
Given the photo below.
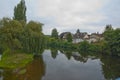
33, 71
54, 53
102, 67
36, 69
68, 54
111, 67
66, 65
82, 57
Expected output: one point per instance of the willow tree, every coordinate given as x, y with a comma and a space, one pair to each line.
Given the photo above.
33, 39
10, 32
20, 11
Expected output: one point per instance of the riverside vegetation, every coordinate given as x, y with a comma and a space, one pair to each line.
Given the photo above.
17, 37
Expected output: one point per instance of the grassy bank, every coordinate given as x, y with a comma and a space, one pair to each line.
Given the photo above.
15, 60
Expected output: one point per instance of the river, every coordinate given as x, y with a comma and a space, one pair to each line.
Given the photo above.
66, 65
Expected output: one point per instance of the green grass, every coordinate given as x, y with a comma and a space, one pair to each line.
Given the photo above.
15, 60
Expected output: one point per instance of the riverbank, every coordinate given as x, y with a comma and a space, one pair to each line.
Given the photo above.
15, 60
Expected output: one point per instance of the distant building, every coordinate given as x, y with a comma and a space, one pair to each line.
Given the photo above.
63, 35
95, 37
78, 36
82, 36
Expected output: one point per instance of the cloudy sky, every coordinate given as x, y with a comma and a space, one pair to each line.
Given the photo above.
68, 15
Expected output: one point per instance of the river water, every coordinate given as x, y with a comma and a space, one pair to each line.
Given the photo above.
66, 65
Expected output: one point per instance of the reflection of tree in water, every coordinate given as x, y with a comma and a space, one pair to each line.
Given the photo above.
67, 53
0, 73
85, 56
36, 69
33, 71
9, 75
61, 51
77, 56
82, 57
40, 51
54, 53
110, 67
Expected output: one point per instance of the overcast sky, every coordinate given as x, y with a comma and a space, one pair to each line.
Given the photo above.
68, 15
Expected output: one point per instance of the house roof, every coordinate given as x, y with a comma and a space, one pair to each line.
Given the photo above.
62, 35
79, 35
97, 34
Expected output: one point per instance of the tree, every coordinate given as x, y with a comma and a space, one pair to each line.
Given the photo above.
108, 27
54, 33
112, 38
69, 37
4, 21
108, 32
34, 27
20, 11
33, 38
14, 36
78, 31
10, 33
84, 47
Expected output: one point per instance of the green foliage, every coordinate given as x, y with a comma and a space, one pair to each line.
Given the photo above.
54, 33
69, 37
112, 38
60, 44
9, 34
34, 27
110, 44
16, 37
20, 11
102, 47
32, 38
84, 47
15, 60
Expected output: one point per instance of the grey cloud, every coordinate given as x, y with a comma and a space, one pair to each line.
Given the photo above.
68, 15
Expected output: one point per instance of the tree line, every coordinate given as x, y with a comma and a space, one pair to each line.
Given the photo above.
109, 45
18, 34
15, 36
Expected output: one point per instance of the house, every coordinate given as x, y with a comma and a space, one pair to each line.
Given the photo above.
63, 35
78, 36
86, 37
95, 37
82, 36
